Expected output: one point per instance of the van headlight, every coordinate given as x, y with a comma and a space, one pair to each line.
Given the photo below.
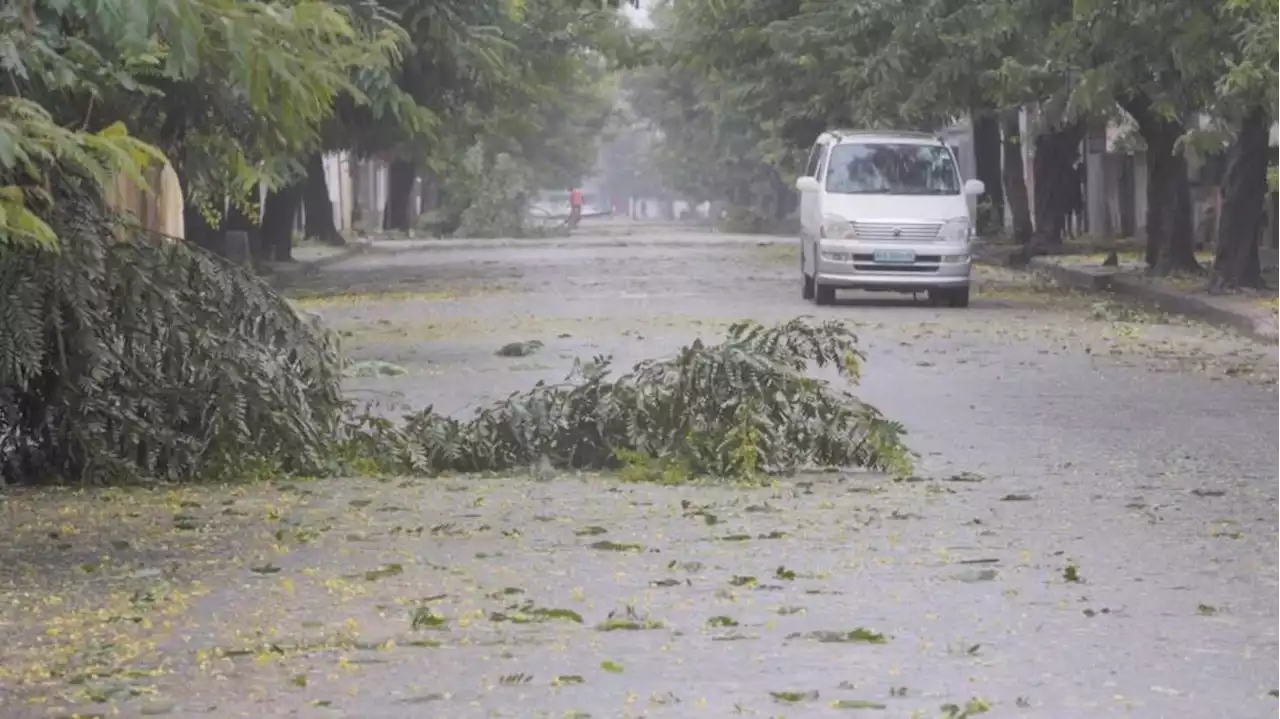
837, 228
957, 231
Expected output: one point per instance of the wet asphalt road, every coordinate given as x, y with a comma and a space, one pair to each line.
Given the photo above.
1115, 554
1139, 467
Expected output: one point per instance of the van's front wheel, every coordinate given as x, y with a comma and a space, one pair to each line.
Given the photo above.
957, 297
806, 285
824, 294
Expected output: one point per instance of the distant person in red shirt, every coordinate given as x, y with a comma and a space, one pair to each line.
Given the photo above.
575, 207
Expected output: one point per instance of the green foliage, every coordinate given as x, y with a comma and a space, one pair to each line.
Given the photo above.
730, 117
637, 466
124, 355
1273, 179
735, 409
627, 154
751, 221
31, 144
496, 191
527, 79
137, 358
1251, 67
231, 90
554, 99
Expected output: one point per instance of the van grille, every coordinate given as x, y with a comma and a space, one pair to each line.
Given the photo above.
906, 231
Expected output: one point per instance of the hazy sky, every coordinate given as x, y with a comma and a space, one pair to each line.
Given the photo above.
639, 16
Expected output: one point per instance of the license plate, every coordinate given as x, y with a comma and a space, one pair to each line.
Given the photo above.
896, 257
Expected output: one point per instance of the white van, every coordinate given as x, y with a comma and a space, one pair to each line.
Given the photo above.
885, 211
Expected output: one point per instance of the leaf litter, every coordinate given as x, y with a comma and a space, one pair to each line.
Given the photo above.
633, 572
434, 595
203, 550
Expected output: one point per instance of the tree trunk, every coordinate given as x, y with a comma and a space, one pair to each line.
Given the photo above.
1056, 182
429, 192
402, 175
1157, 180
668, 208
279, 211
1179, 253
358, 208
1170, 230
986, 154
241, 218
1015, 179
198, 231
788, 199
317, 207
195, 228
1236, 263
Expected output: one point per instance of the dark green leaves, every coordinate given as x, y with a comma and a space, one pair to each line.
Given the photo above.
738, 409
190, 367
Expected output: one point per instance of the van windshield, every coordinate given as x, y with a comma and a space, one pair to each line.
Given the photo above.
891, 169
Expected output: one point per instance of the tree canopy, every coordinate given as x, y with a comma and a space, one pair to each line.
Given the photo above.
757, 80
124, 353
487, 100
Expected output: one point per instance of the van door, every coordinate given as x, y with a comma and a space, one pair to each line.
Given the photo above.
810, 214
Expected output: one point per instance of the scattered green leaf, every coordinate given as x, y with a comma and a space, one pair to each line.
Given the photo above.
424, 618
855, 636
857, 704
382, 572
608, 546
793, 697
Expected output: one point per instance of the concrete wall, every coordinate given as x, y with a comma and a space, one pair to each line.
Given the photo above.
353, 181
648, 208
157, 207
160, 210
337, 175
1110, 163
960, 137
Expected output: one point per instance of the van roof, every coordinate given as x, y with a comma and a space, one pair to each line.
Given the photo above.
903, 136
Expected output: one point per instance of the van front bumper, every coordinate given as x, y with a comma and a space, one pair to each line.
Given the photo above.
940, 267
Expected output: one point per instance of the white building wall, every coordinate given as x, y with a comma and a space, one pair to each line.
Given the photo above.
337, 175
347, 176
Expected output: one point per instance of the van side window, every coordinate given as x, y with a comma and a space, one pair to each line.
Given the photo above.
815, 160
823, 154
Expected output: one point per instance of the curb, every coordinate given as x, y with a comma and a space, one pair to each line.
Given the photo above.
690, 239
391, 248
351, 249
1106, 280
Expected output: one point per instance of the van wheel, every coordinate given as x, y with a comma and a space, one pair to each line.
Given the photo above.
951, 298
806, 288
824, 294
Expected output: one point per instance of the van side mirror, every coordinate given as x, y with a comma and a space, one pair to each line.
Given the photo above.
973, 188
807, 184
